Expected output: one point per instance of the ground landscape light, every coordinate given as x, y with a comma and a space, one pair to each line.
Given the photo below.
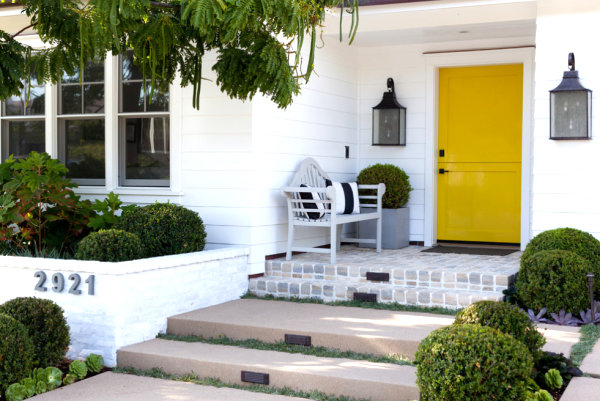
389, 120
570, 107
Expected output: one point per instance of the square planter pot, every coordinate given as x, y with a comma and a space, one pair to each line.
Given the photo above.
394, 230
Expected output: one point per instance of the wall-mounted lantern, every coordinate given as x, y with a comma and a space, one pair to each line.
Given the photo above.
389, 119
570, 107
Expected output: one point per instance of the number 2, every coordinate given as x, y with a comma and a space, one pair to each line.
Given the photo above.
76, 281
40, 285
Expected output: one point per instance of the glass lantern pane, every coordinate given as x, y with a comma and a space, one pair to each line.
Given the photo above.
569, 114
386, 126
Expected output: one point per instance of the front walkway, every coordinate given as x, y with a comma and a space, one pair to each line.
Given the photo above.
415, 277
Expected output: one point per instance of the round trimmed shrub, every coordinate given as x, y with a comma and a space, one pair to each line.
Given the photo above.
16, 352
165, 228
567, 239
554, 280
45, 323
472, 362
110, 246
506, 318
397, 187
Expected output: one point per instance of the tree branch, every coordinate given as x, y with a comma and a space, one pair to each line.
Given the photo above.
22, 30
164, 5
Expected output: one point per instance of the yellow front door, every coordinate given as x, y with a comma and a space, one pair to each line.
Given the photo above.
479, 155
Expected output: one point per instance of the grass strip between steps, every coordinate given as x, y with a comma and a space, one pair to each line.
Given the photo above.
589, 336
289, 348
392, 306
214, 382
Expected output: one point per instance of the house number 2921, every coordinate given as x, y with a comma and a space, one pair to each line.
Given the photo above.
58, 283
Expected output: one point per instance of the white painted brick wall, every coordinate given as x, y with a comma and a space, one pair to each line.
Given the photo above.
132, 300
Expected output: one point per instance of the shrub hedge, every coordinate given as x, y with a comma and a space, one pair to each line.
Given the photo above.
472, 362
506, 318
165, 228
110, 246
46, 325
16, 352
397, 187
554, 280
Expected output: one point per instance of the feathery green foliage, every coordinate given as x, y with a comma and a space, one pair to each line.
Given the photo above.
258, 42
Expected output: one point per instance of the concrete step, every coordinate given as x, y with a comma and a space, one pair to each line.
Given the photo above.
359, 379
582, 389
361, 330
121, 387
343, 290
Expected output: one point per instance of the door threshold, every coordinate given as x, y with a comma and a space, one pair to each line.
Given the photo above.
477, 244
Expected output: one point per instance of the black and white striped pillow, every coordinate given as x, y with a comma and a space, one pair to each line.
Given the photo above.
346, 194
312, 205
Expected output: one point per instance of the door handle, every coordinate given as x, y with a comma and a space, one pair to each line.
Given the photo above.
442, 171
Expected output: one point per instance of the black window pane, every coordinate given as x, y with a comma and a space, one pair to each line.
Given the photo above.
133, 97
14, 106
147, 150
20, 105
24, 137
130, 70
71, 79
84, 149
94, 72
93, 98
70, 99
160, 100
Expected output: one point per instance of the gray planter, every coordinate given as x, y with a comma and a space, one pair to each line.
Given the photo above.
394, 230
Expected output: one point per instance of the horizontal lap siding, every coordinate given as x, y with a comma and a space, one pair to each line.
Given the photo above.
565, 188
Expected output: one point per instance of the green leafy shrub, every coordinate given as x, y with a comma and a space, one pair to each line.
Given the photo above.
69, 379
16, 352
165, 228
94, 363
567, 239
46, 324
78, 369
17, 392
472, 362
38, 208
106, 212
397, 187
506, 318
553, 379
541, 395
110, 246
554, 280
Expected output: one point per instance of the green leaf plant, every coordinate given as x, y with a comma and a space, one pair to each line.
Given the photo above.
258, 42
38, 208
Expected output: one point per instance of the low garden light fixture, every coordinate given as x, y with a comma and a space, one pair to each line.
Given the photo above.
570, 107
389, 119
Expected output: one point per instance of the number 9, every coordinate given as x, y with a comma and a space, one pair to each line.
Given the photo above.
59, 282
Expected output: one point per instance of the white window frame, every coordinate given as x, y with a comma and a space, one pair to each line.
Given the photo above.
111, 126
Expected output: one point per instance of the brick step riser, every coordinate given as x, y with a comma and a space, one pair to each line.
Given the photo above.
385, 293
472, 281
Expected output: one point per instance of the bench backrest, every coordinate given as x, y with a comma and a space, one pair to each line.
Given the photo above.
309, 173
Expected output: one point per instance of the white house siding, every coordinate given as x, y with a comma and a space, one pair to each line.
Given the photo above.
319, 124
565, 188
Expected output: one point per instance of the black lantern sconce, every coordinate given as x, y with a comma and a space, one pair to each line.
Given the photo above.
389, 120
570, 107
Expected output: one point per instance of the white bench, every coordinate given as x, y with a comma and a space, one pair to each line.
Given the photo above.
312, 175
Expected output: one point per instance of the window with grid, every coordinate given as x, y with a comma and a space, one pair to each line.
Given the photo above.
81, 125
144, 134
22, 121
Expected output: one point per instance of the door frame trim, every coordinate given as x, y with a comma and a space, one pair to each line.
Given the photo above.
434, 62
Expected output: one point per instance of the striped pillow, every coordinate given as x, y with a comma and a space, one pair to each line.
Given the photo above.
346, 194
312, 205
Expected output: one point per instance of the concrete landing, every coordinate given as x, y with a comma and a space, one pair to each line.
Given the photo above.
359, 379
120, 387
582, 389
559, 339
362, 330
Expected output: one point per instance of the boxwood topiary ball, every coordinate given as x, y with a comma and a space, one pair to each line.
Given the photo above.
507, 318
110, 246
554, 280
472, 362
397, 186
46, 325
165, 228
16, 352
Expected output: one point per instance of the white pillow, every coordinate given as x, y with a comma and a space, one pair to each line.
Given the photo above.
320, 207
346, 195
